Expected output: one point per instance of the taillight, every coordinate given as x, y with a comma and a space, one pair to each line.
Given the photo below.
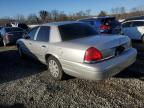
8, 35
92, 54
104, 27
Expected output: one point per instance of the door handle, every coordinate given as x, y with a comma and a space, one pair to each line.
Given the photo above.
43, 46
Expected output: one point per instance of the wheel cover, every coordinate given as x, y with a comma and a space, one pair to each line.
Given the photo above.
53, 68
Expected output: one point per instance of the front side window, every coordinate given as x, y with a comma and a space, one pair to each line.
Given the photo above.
32, 33
138, 23
43, 34
76, 30
127, 24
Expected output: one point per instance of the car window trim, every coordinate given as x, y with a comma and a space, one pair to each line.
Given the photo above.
38, 32
34, 34
35, 37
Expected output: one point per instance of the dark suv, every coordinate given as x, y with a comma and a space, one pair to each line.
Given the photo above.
0, 35
106, 25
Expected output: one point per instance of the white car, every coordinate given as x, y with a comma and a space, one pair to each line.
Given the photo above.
134, 29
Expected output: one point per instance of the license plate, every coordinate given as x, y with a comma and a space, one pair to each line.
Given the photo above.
119, 50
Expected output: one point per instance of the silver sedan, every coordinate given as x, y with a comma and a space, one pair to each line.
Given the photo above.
75, 49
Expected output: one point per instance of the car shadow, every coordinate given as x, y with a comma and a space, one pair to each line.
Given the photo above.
17, 105
12, 67
140, 48
135, 71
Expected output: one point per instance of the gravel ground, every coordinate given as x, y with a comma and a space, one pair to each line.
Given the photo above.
26, 84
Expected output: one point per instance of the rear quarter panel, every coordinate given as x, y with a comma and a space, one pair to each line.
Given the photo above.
67, 51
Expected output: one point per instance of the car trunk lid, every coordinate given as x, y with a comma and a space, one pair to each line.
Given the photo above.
109, 46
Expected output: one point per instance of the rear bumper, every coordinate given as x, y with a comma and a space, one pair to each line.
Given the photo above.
102, 70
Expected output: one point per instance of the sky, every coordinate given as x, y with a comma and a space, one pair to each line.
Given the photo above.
13, 7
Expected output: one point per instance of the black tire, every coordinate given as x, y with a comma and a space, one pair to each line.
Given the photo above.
142, 39
59, 73
21, 54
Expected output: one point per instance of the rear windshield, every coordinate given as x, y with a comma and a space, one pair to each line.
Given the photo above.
13, 29
110, 21
76, 30
23, 26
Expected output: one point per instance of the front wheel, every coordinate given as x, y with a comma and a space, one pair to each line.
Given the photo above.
55, 68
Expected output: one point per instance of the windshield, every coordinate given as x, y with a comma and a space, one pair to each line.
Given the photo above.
23, 26
76, 30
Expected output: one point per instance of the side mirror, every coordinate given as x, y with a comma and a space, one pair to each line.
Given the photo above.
26, 36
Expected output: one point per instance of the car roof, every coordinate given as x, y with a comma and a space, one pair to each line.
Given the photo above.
60, 23
135, 18
131, 21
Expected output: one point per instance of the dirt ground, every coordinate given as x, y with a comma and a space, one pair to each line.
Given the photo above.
27, 84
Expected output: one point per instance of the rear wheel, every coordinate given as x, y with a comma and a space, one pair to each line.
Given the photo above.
22, 55
55, 68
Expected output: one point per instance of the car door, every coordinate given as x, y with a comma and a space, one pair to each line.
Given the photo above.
40, 45
126, 29
137, 29
28, 42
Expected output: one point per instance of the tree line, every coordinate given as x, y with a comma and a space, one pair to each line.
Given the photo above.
45, 16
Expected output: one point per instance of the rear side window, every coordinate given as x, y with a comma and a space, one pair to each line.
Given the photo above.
32, 33
76, 30
43, 34
13, 29
138, 23
127, 24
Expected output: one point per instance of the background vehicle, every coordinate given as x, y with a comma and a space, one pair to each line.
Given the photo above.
0, 35
11, 34
75, 48
20, 25
134, 28
108, 25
